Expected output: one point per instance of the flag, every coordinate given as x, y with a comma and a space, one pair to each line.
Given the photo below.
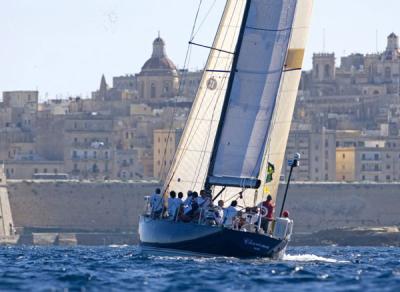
270, 172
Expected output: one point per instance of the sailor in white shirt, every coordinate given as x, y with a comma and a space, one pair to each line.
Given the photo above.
172, 205
230, 214
156, 203
203, 201
179, 203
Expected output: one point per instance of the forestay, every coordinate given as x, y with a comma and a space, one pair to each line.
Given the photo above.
252, 96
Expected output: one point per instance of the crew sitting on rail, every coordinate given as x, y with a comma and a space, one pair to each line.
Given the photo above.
179, 204
156, 204
190, 209
230, 214
172, 205
188, 201
203, 201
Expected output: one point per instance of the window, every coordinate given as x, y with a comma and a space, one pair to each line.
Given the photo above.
376, 156
376, 178
85, 154
75, 140
376, 167
55, 170
106, 154
35, 170
327, 73
45, 170
153, 91
388, 177
75, 167
363, 177
74, 154
343, 156
94, 154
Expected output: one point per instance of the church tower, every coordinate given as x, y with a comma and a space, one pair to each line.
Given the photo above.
324, 67
159, 75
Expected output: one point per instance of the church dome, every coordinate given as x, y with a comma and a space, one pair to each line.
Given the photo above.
159, 60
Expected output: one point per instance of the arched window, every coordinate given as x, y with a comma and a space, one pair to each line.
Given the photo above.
153, 91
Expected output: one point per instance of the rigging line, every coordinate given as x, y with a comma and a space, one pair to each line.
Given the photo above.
204, 19
211, 48
207, 140
184, 149
187, 57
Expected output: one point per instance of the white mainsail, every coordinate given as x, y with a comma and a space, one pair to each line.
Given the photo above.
252, 117
190, 165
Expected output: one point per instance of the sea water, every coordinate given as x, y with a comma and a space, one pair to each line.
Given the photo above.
120, 268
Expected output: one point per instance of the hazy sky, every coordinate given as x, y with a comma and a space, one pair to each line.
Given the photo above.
61, 48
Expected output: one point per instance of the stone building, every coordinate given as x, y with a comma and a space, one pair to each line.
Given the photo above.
165, 144
318, 154
159, 76
88, 145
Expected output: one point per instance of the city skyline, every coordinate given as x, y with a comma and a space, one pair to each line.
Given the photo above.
62, 49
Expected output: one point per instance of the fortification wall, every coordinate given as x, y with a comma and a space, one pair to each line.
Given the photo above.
321, 206
115, 206
78, 206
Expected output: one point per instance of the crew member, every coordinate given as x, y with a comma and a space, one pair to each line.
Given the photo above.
230, 214
156, 204
269, 217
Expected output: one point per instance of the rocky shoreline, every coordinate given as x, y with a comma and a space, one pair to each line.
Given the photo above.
361, 236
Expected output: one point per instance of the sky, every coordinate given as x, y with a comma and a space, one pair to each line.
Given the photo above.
62, 48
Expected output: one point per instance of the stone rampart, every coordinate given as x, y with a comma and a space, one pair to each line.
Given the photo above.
115, 206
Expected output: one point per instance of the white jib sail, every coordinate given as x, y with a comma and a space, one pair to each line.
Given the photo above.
190, 165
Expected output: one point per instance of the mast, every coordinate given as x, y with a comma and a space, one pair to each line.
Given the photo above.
227, 94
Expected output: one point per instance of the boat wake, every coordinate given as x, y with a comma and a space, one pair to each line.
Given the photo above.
310, 258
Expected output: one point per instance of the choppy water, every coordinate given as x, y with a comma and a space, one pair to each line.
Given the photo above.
122, 268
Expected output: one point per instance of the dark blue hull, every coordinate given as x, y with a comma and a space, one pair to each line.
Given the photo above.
189, 238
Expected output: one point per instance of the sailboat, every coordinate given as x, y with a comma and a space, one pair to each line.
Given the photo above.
237, 130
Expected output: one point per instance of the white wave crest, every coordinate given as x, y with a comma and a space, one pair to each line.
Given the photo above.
310, 258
